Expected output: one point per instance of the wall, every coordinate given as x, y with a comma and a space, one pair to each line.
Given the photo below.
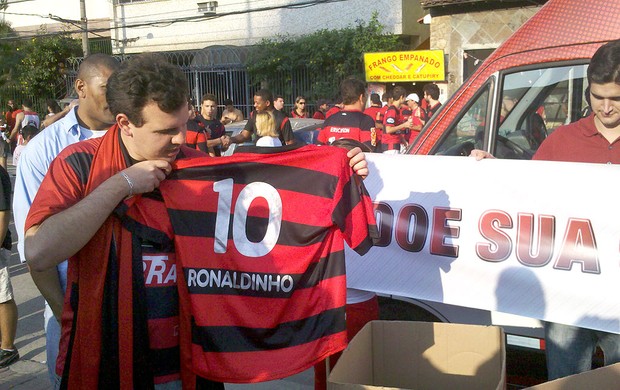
243, 28
478, 30
28, 16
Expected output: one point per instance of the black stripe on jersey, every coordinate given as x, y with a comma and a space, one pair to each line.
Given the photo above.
191, 223
347, 202
162, 301
289, 334
263, 150
165, 361
257, 284
368, 242
352, 119
279, 176
80, 162
153, 238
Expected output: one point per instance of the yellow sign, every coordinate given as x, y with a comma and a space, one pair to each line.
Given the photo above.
419, 65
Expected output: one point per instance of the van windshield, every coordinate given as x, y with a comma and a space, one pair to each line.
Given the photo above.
529, 105
534, 103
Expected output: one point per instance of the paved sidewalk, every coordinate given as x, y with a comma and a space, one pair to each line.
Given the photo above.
30, 371
25, 375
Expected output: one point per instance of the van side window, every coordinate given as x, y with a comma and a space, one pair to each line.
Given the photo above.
468, 134
533, 104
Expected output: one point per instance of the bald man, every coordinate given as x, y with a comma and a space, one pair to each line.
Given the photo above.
91, 118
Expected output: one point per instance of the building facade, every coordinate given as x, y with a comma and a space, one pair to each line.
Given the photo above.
469, 30
165, 25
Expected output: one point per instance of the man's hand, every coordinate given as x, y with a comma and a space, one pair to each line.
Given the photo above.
357, 161
145, 176
480, 154
225, 139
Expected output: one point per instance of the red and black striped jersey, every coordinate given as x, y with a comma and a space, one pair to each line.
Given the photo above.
213, 127
373, 112
260, 241
391, 118
352, 125
332, 111
381, 113
196, 136
154, 273
318, 115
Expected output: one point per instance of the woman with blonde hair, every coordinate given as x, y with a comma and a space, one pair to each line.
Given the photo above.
266, 130
299, 111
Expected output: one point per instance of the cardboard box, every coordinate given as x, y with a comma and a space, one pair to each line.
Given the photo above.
604, 378
422, 355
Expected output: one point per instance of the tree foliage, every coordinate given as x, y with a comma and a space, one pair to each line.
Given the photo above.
328, 56
42, 62
8, 53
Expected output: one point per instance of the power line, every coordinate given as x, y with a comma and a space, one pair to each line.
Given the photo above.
196, 18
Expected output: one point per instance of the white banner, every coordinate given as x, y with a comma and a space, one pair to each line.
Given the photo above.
533, 238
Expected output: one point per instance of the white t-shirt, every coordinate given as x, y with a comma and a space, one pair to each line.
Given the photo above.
88, 134
268, 141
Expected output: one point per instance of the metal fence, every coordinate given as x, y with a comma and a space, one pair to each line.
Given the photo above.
221, 71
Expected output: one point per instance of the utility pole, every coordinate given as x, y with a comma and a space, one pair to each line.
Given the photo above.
84, 24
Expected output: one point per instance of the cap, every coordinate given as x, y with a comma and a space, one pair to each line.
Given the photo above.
414, 97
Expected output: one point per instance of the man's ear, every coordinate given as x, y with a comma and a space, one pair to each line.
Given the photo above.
124, 125
80, 88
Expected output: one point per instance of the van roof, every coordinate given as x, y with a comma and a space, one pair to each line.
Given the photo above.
561, 30
562, 23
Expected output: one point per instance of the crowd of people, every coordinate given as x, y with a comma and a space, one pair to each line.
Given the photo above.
91, 218
387, 125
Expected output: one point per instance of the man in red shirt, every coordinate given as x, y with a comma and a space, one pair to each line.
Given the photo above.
431, 95
321, 105
373, 110
393, 126
214, 129
76, 219
195, 137
416, 114
335, 108
351, 122
593, 139
386, 101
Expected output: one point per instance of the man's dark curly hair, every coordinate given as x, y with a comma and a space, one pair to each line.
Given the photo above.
605, 64
143, 79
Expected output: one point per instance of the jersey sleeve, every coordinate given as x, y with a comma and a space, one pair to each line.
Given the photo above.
62, 187
390, 117
190, 137
353, 212
322, 137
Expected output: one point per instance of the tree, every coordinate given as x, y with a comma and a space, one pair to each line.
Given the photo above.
43, 57
8, 53
328, 56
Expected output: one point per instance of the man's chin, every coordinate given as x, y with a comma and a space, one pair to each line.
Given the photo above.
610, 122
